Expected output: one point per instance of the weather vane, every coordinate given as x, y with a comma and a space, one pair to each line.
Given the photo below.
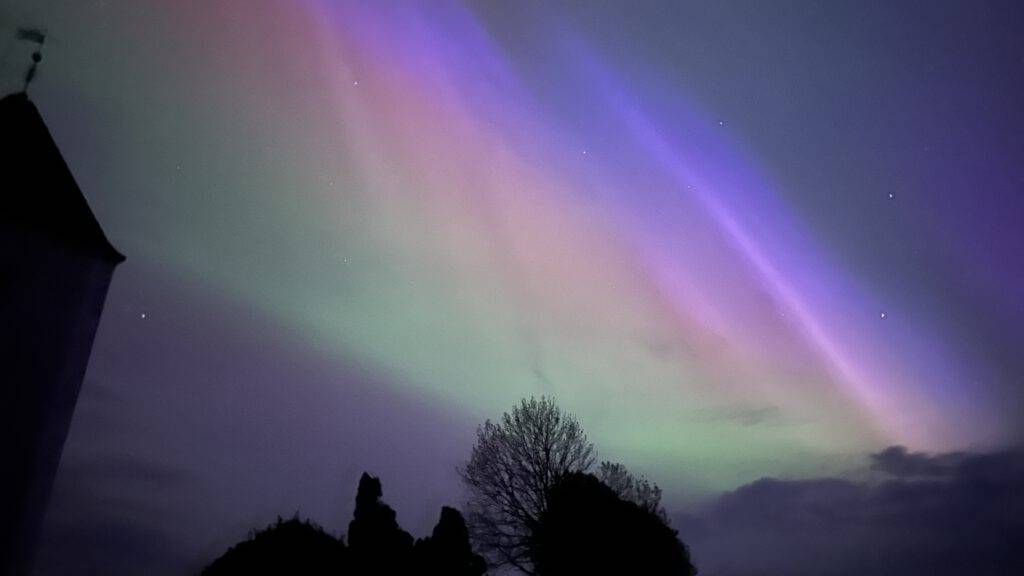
36, 36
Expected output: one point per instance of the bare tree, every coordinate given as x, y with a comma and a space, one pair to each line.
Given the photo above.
510, 472
635, 488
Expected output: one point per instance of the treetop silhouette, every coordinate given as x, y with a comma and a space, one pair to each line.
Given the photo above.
589, 529
286, 547
374, 537
447, 550
535, 456
513, 465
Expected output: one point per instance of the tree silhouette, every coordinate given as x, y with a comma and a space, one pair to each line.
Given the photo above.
514, 464
532, 506
588, 529
377, 544
287, 547
634, 488
447, 550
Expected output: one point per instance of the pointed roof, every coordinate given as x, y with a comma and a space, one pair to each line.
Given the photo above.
40, 192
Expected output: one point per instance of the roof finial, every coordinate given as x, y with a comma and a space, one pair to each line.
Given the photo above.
36, 36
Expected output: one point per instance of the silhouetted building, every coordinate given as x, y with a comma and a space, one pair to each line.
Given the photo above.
55, 267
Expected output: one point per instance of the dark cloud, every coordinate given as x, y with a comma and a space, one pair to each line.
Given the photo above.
122, 467
102, 519
104, 545
743, 414
897, 461
956, 513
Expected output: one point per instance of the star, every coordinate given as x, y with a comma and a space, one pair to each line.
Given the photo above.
355, 82
891, 195
882, 315
143, 315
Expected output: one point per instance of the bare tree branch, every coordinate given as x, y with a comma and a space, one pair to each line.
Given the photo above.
635, 488
510, 472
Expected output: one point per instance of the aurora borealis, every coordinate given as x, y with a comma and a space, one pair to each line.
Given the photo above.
735, 240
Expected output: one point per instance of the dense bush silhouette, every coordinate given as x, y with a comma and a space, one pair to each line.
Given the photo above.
447, 550
377, 544
287, 547
588, 529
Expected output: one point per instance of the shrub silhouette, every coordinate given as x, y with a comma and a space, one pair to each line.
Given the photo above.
588, 529
287, 547
447, 550
377, 544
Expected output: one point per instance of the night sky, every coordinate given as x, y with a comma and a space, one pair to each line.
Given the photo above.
739, 240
